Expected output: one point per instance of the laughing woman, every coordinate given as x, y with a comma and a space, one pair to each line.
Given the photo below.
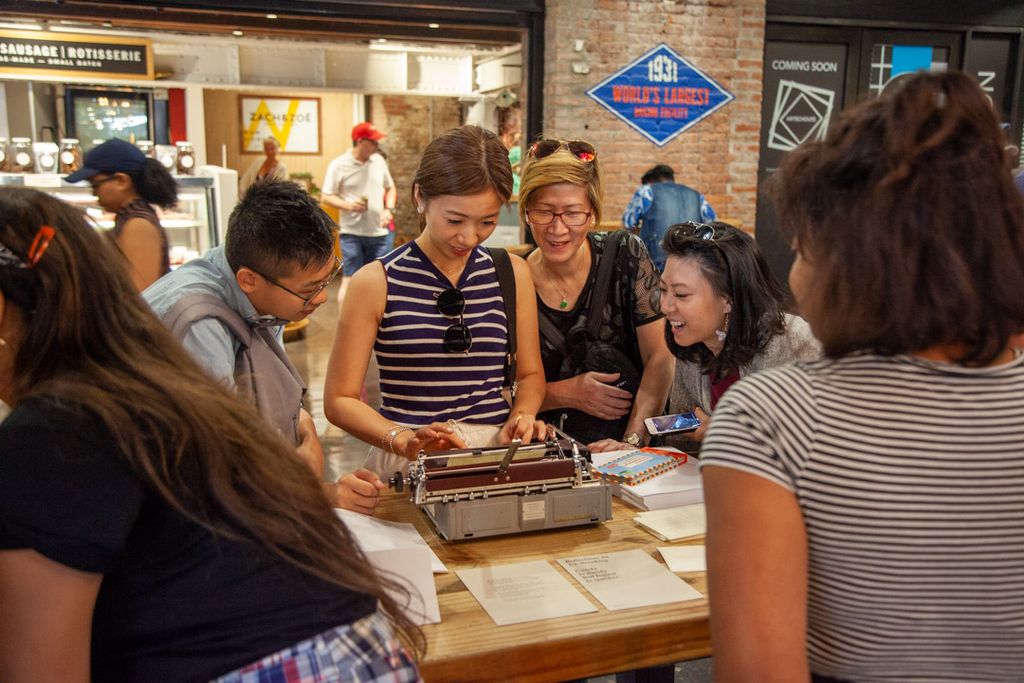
432, 312
724, 315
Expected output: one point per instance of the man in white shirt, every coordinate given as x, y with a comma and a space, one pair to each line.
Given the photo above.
359, 184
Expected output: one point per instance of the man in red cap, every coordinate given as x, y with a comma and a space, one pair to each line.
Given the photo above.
359, 184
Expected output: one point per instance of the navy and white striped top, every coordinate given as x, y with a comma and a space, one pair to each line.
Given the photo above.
910, 478
420, 383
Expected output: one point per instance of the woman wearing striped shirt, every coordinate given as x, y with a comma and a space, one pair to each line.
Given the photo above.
432, 312
866, 511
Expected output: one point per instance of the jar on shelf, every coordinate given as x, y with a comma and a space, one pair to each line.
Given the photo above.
146, 147
23, 160
47, 154
185, 163
166, 155
70, 155
5, 158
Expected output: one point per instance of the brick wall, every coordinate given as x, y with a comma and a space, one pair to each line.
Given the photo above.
723, 38
411, 122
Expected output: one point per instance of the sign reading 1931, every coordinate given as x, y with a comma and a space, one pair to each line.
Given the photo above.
660, 94
64, 54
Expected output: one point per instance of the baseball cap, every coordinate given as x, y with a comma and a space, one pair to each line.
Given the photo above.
368, 131
113, 156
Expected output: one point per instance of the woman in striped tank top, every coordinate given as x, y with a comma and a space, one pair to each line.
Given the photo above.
432, 312
866, 510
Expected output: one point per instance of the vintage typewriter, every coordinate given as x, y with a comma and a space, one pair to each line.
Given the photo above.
478, 492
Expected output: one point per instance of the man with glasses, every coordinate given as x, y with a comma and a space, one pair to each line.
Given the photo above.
229, 309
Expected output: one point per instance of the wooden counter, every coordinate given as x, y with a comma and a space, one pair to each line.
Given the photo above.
468, 646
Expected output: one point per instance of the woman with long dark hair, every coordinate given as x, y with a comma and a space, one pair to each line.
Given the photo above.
128, 184
866, 510
724, 315
152, 527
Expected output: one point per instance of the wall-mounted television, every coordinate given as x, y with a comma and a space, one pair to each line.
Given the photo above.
95, 115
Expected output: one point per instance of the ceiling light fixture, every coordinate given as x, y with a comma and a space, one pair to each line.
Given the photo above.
433, 25
236, 32
271, 16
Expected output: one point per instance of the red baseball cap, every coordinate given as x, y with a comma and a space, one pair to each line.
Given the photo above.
366, 131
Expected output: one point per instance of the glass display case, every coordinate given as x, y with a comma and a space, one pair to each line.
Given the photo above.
191, 225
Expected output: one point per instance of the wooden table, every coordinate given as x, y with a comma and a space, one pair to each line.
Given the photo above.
468, 646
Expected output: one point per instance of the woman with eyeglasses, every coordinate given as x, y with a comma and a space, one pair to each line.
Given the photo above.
128, 183
866, 511
724, 316
432, 312
601, 381
152, 526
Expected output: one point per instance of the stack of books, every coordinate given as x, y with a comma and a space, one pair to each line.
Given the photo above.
679, 486
635, 467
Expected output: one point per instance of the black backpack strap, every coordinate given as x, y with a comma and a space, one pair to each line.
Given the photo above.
507, 283
603, 283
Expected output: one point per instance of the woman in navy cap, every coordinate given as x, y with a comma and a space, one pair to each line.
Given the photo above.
127, 183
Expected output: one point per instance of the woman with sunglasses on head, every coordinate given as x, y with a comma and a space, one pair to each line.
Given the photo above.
724, 316
432, 312
878, 494
152, 526
601, 399
127, 183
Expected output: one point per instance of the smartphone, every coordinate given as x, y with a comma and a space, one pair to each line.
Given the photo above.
667, 424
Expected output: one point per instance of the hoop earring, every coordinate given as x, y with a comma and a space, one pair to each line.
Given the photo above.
722, 333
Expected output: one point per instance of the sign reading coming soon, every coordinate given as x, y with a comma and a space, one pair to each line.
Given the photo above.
62, 54
293, 121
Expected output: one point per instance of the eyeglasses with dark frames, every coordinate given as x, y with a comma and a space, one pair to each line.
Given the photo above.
571, 219
306, 298
582, 150
451, 303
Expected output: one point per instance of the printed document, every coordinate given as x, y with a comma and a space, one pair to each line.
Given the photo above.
684, 558
631, 578
524, 591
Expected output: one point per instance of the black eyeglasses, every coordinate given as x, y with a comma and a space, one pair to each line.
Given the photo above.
457, 338
306, 298
584, 151
571, 219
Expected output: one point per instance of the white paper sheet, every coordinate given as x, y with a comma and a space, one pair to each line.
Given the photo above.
524, 591
631, 578
410, 567
378, 534
684, 558
674, 524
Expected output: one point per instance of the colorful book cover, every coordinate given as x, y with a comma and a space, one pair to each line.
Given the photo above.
635, 467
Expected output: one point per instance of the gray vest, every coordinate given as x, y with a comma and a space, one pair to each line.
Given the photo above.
264, 375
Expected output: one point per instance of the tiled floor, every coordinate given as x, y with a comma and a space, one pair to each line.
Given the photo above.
345, 453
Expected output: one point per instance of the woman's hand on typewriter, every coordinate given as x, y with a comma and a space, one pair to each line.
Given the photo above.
525, 426
437, 436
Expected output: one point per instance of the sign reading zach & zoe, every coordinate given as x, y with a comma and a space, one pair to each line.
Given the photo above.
660, 94
293, 121
63, 54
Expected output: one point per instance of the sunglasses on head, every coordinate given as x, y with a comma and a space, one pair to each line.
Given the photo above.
584, 151
451, 303
700, 231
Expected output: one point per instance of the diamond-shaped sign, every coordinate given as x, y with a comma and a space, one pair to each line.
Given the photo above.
660, 94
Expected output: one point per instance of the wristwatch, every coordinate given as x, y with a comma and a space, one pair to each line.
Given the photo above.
633, 439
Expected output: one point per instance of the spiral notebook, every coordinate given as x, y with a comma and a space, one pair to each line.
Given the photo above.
635, 467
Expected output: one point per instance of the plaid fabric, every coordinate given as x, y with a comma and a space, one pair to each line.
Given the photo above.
365, 651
